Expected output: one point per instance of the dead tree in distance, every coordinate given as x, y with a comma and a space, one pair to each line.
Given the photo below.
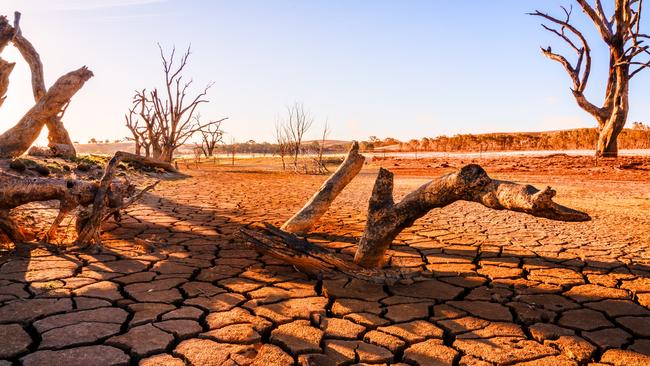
283, 142
211, 135
622, 35
297, 123
169, 114
386, 218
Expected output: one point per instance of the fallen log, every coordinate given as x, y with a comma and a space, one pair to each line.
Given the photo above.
320, 202
96, 201
386, 219
146, 161
314, 260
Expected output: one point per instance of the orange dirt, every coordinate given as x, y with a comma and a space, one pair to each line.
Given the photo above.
176, 284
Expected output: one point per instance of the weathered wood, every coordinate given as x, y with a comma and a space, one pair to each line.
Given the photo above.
320, 202
314, 260
143, 160
387, 219
57, 133
107, 197
5, 70
19, 138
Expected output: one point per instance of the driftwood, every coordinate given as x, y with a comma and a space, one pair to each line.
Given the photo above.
29, 127
386, 219
97, 201
320, 202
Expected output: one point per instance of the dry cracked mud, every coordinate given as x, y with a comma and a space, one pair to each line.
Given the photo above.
176, 285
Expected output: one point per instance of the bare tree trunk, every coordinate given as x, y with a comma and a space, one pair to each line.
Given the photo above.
320, 202
57, 134
387, 219
19, 138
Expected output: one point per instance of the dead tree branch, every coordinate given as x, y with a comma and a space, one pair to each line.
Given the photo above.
320, 202
386, 219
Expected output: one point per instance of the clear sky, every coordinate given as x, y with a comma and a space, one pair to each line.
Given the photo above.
402, 69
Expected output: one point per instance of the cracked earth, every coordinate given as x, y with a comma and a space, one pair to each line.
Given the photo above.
177, 286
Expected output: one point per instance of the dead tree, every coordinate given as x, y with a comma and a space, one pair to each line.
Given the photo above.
386, 218
211, 135
318, 161
96, 201
296, 125
50, 103
169, 114
621, 34
283, 143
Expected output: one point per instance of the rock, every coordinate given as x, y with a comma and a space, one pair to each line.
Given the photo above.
101, 315
82, 333
341, 328
298, 336
28, 310
80, 356
430, 353
143, 340
13, 340
583, 319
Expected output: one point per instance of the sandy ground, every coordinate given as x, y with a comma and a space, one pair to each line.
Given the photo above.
176, 284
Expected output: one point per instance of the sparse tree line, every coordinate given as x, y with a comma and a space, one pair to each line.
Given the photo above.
637, 137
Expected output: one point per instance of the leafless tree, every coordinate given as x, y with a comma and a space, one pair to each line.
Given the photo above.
622, 36
169, 114
320, 166
211, 135
283, 142
296, 125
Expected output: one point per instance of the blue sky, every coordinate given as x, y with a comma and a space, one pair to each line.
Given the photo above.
403, 69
